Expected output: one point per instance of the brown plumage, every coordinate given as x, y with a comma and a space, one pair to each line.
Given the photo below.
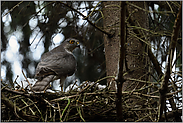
56, 64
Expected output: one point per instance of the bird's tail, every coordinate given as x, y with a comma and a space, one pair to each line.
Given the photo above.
43, 84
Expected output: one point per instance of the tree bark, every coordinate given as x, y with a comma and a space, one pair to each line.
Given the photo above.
135, 49
111, 11
136, 57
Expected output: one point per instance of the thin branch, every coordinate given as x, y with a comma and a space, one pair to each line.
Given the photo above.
69, 6
73, 86
120, 80
170, 8
150, 54
37, 13
13, 8
61, 98
162, 12
29, 107
164, 85
101, 80
92, 11
59, 112
171, 94
16, 82
14, 108
49, 104
16, 92
27, 80
65, 108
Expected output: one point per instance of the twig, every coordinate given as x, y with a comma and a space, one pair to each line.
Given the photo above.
164, 85
13, 8
54, 115
27, 80
16, 96
61, 98
39, 40
101, 80
85, 88
146, 95
73, 86
49, 104
29, 107
14, 108
120, 79
171, 94
16, 81
17, 92
78, 109
138, 80
37, 109
69, 6
5, 86
162, 12
59, 112
81, 85
37, 13
46, 115
150, 54
177, 57
145, 117
35, 38
92, 11
65, 108
170, 8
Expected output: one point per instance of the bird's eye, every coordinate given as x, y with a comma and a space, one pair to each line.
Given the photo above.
71, 42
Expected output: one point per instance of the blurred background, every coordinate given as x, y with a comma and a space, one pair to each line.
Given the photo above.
29, 29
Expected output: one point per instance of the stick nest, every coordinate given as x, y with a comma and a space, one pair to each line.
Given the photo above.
87, 104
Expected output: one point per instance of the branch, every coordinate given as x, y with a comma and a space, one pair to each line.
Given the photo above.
120, 78
16, 110
161, 12
31, 96
150, 54
86, 18
164, 85
155, 62
16, 92
13, 8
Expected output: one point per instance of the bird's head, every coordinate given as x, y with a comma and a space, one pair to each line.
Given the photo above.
70, 44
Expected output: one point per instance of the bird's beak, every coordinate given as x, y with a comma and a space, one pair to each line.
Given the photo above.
78, 45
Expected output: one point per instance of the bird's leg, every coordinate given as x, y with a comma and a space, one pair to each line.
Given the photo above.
62, 88
61, 85
62, 80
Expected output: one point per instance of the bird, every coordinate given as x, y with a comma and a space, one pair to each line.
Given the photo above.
56, 64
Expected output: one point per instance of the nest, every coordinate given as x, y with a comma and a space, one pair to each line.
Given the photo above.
85, 103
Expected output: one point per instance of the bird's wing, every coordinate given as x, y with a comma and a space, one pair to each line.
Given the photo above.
60, 64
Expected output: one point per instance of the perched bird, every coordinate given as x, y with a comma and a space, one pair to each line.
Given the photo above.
56, 64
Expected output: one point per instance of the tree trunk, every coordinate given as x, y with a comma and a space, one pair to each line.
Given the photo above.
136, 57
111, 11
136, 54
